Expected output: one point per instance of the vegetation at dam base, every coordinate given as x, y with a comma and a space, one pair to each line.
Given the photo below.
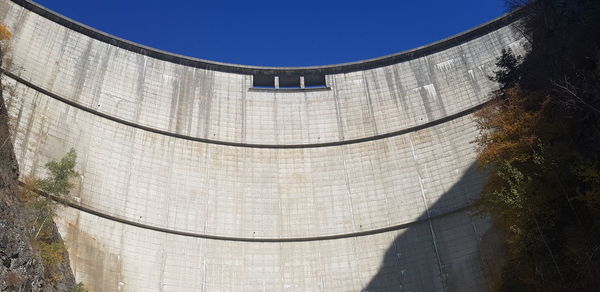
540, 141
33, 256
42, 210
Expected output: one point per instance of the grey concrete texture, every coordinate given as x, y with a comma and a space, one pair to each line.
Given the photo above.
114, 256
218, 106
246, 192
396, 204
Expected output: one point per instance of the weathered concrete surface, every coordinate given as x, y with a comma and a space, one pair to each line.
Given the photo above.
216, 105
21, 263
247, 192
248, 196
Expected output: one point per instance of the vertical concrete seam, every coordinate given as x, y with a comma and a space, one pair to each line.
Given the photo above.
433, 237
350, 207
369, 104
243, 110
398, 255
338, 111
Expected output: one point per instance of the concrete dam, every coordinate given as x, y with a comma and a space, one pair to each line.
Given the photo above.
205, 176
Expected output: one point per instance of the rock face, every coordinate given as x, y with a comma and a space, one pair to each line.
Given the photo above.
21, 267
195, 176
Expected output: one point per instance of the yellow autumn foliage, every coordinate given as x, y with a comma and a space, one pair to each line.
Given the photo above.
5, 33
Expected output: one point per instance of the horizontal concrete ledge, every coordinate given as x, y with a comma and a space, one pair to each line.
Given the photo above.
284, 90
247, 145
248, 239
249, 70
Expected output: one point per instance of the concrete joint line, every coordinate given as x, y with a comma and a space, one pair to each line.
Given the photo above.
238, 144
91, 211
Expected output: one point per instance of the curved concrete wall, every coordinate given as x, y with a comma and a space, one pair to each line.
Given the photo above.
190, 180
218, 106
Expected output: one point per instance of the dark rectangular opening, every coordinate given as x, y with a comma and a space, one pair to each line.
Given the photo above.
263, 81
289, 81
314, 80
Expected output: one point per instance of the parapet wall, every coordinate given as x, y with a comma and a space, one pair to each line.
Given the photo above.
218, 106
192, 180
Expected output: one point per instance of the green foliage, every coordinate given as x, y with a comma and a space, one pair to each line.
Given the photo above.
52, 253
42, 210
58, 183
79, 287
539, 143
508, 69
589, 191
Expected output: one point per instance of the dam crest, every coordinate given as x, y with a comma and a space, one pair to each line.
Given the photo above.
206, 176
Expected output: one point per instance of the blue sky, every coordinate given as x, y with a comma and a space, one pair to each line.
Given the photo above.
281, 33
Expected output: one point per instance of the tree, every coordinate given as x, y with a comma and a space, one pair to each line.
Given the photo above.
46, 241
538, 142
56, 185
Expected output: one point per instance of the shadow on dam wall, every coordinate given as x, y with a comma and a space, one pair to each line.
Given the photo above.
449, 249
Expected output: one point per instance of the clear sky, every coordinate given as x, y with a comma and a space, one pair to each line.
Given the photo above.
284, 32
